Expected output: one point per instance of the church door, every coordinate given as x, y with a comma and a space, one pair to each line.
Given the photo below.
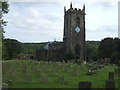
77, 51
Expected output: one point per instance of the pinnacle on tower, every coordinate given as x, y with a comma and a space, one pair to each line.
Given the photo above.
71, 5
64, 9
84, 7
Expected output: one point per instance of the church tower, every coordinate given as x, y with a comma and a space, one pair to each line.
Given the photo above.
74, 32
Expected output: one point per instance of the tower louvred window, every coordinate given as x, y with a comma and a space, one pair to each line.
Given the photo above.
78, 21
67, 22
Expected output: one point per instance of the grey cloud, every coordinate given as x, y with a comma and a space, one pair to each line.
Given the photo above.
44, 21
111, 28
104, 4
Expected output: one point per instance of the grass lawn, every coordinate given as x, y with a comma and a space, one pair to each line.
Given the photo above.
31, 74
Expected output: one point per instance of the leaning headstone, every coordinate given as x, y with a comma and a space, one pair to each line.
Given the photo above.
5, 86
110, 84
85, 85
111, 75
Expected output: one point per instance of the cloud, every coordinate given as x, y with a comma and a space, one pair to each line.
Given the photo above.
32, 22
40, 21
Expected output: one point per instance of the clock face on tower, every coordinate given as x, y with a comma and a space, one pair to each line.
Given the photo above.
77, 29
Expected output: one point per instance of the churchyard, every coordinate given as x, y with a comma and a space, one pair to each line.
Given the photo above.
42, 74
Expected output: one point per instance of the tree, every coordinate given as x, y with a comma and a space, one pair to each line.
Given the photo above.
4, 7
115, 58
91, 50
4, 51
13, 48
3, 10
108, 46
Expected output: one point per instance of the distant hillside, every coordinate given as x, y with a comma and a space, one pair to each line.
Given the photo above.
93, 42
29, 48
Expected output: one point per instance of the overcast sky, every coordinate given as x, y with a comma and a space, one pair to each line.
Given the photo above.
43, 21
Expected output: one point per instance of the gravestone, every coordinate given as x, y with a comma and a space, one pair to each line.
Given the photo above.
24, 69
119, 72
53, 73
61, 79
38, 72
45, 69
65, 83
29, 78
74, 72
111, 75
83, 68
4, 86
116, 71
44, 79
110, 84
85, 85
14, 74
65, 69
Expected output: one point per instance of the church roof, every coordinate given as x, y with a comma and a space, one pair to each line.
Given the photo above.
46, 47
54, 44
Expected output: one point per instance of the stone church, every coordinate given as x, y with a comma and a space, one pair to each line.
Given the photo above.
73, 39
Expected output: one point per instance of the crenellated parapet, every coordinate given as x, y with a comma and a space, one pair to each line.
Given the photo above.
74, 10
